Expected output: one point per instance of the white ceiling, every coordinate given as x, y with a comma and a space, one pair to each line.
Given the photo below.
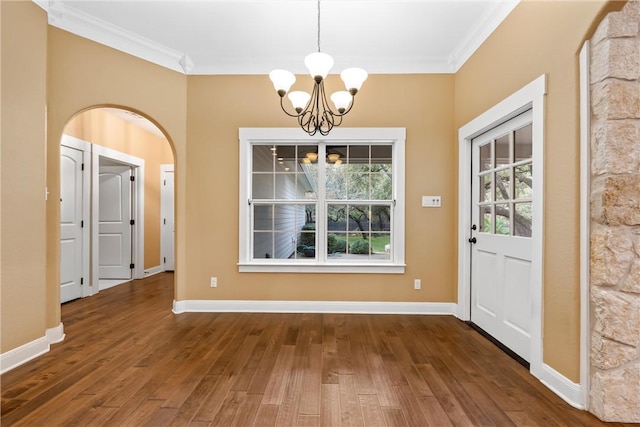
256, 36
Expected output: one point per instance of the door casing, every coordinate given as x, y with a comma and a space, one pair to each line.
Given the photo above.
531, 96
167, 236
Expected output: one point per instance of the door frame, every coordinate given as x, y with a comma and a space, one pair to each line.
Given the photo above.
164, 168
85, 147
531, 96
137, 236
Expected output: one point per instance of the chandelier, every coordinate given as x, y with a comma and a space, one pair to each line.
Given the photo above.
313, 111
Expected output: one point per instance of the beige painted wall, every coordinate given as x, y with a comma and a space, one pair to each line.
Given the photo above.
219, 105
84, 74
543, 37
23, 147
538, 37
108, 130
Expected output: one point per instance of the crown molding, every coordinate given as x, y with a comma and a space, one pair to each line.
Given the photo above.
480, 32
61, 15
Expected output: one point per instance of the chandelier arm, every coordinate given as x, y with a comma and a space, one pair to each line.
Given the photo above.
285, 110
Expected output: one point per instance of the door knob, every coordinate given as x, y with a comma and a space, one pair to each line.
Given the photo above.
473, 227
472, 240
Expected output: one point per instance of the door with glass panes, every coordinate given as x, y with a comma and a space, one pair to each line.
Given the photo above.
501, 233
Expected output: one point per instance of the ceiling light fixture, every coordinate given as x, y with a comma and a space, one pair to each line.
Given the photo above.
313, 112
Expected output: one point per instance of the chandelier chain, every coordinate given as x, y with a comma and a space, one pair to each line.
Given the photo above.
318, 25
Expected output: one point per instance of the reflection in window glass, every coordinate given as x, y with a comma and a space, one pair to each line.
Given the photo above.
523, 144
486, 162
502, 150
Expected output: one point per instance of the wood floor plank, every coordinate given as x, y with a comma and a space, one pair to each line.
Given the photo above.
127, 360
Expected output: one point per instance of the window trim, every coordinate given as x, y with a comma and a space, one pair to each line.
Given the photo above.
282, 136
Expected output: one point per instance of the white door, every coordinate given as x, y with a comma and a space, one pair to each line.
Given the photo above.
168, 228
71, 223
114, 222
501, 252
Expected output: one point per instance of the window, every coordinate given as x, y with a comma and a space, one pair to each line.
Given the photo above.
326, 204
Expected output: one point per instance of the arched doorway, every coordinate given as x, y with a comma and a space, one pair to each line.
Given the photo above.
116, 206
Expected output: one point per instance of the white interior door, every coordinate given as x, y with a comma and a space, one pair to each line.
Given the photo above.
167, 225
501, 215
71, 223
114, 236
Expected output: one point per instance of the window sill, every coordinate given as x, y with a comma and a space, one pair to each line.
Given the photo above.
345, 268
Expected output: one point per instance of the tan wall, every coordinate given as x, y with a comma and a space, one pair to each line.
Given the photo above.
23, 70
108, 130
219, 105
543, 37
84, 74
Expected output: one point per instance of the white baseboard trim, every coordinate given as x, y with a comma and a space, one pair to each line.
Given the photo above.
55, 335
569, 391
346, 307
21, 355
29, 351
153, 270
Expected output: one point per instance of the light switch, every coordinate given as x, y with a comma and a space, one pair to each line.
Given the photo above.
431, 201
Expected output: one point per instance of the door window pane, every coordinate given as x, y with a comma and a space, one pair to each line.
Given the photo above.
486, 161
485, 190
485, 219
503, 184
523, 144
502, 150
522, 219
502, 225
523, 181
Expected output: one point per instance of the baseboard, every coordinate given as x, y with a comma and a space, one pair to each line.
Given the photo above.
153, 270
569, 391
29, 351
347, 307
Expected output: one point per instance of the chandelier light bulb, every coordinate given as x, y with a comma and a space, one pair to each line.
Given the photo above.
318, 64
282, 80
353, 79
341, 100
299, 99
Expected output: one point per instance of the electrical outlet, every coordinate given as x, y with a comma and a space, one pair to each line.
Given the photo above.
431, 201
417, 284
214, 282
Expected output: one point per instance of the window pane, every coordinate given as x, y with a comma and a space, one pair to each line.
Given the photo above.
336, 244
486, 162
285, 217
381, 155
262, 186
522, 219
381, 245
359, 218
263, 217
359, 245
286, 187
285, 158
380, 218
284, 245
336, 182
337, 218
485, 219
503, 184
359, 158
336, 156
502, 150
307, 154
381, 188
263, 158
524, 183
502, 220
523, 144
262, 245
358, 186
485, 189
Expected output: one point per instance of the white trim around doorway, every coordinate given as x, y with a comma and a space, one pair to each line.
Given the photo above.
531, 96
138, 214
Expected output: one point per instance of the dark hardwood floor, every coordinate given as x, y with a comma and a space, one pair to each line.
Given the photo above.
127, 360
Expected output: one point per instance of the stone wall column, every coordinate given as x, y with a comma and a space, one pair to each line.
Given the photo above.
615, 217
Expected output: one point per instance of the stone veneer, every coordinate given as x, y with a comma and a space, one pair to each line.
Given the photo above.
615, 216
